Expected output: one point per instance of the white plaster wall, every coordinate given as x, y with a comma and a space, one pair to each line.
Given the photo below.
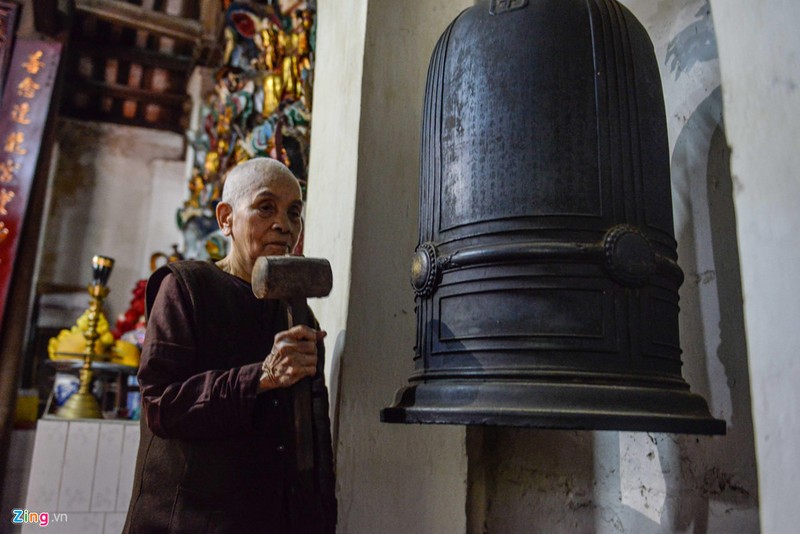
362, 215
168, 190
115, 192
760, 63
330, 208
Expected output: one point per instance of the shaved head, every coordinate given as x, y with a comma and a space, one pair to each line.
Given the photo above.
261, 211
247, 177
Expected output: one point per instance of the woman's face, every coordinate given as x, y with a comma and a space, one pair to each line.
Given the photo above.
268, 220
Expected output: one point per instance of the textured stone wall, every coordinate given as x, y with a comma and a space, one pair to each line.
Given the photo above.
114, 192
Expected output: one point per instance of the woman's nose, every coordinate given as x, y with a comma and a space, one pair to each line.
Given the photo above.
281, 222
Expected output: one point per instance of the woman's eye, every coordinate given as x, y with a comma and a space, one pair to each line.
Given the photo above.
266, 208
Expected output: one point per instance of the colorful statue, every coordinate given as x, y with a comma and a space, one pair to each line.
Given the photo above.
260, 106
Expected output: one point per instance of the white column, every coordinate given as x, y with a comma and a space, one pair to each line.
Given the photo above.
759, 49
362, 215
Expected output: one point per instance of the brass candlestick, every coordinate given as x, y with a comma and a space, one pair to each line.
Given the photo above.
82, 404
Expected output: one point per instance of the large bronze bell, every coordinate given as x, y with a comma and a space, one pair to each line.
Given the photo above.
546, 274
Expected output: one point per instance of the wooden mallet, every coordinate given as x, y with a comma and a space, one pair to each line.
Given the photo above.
293, 279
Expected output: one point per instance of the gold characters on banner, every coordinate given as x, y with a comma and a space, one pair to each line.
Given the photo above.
34, 63
7, 170
13, 143
5, 197
27, 88
19, 113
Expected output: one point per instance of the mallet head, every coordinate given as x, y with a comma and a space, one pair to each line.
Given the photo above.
291, 277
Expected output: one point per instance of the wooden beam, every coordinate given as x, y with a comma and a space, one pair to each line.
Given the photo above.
142, 56
211, 18
209, 51
46, 18
123, 92
8, 29
133, 16
179, 125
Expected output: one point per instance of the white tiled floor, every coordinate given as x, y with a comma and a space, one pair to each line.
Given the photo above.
106, 474
80, 458
82, 471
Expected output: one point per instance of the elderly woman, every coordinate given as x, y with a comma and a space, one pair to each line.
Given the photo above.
217, 443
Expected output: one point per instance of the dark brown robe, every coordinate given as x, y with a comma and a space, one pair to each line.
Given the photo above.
214, 454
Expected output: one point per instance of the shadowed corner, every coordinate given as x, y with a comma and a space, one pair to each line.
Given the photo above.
335, 381
694, 481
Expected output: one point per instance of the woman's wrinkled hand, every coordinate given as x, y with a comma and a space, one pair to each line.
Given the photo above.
292, 358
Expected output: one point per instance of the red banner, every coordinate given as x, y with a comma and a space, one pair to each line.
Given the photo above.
23, 114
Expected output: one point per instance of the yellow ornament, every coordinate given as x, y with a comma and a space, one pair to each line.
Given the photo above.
72, 343
273, 92
212, 163
124, 353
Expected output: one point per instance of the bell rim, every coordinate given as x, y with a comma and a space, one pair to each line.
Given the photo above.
555, 406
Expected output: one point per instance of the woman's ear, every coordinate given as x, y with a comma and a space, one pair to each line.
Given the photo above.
225, 218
